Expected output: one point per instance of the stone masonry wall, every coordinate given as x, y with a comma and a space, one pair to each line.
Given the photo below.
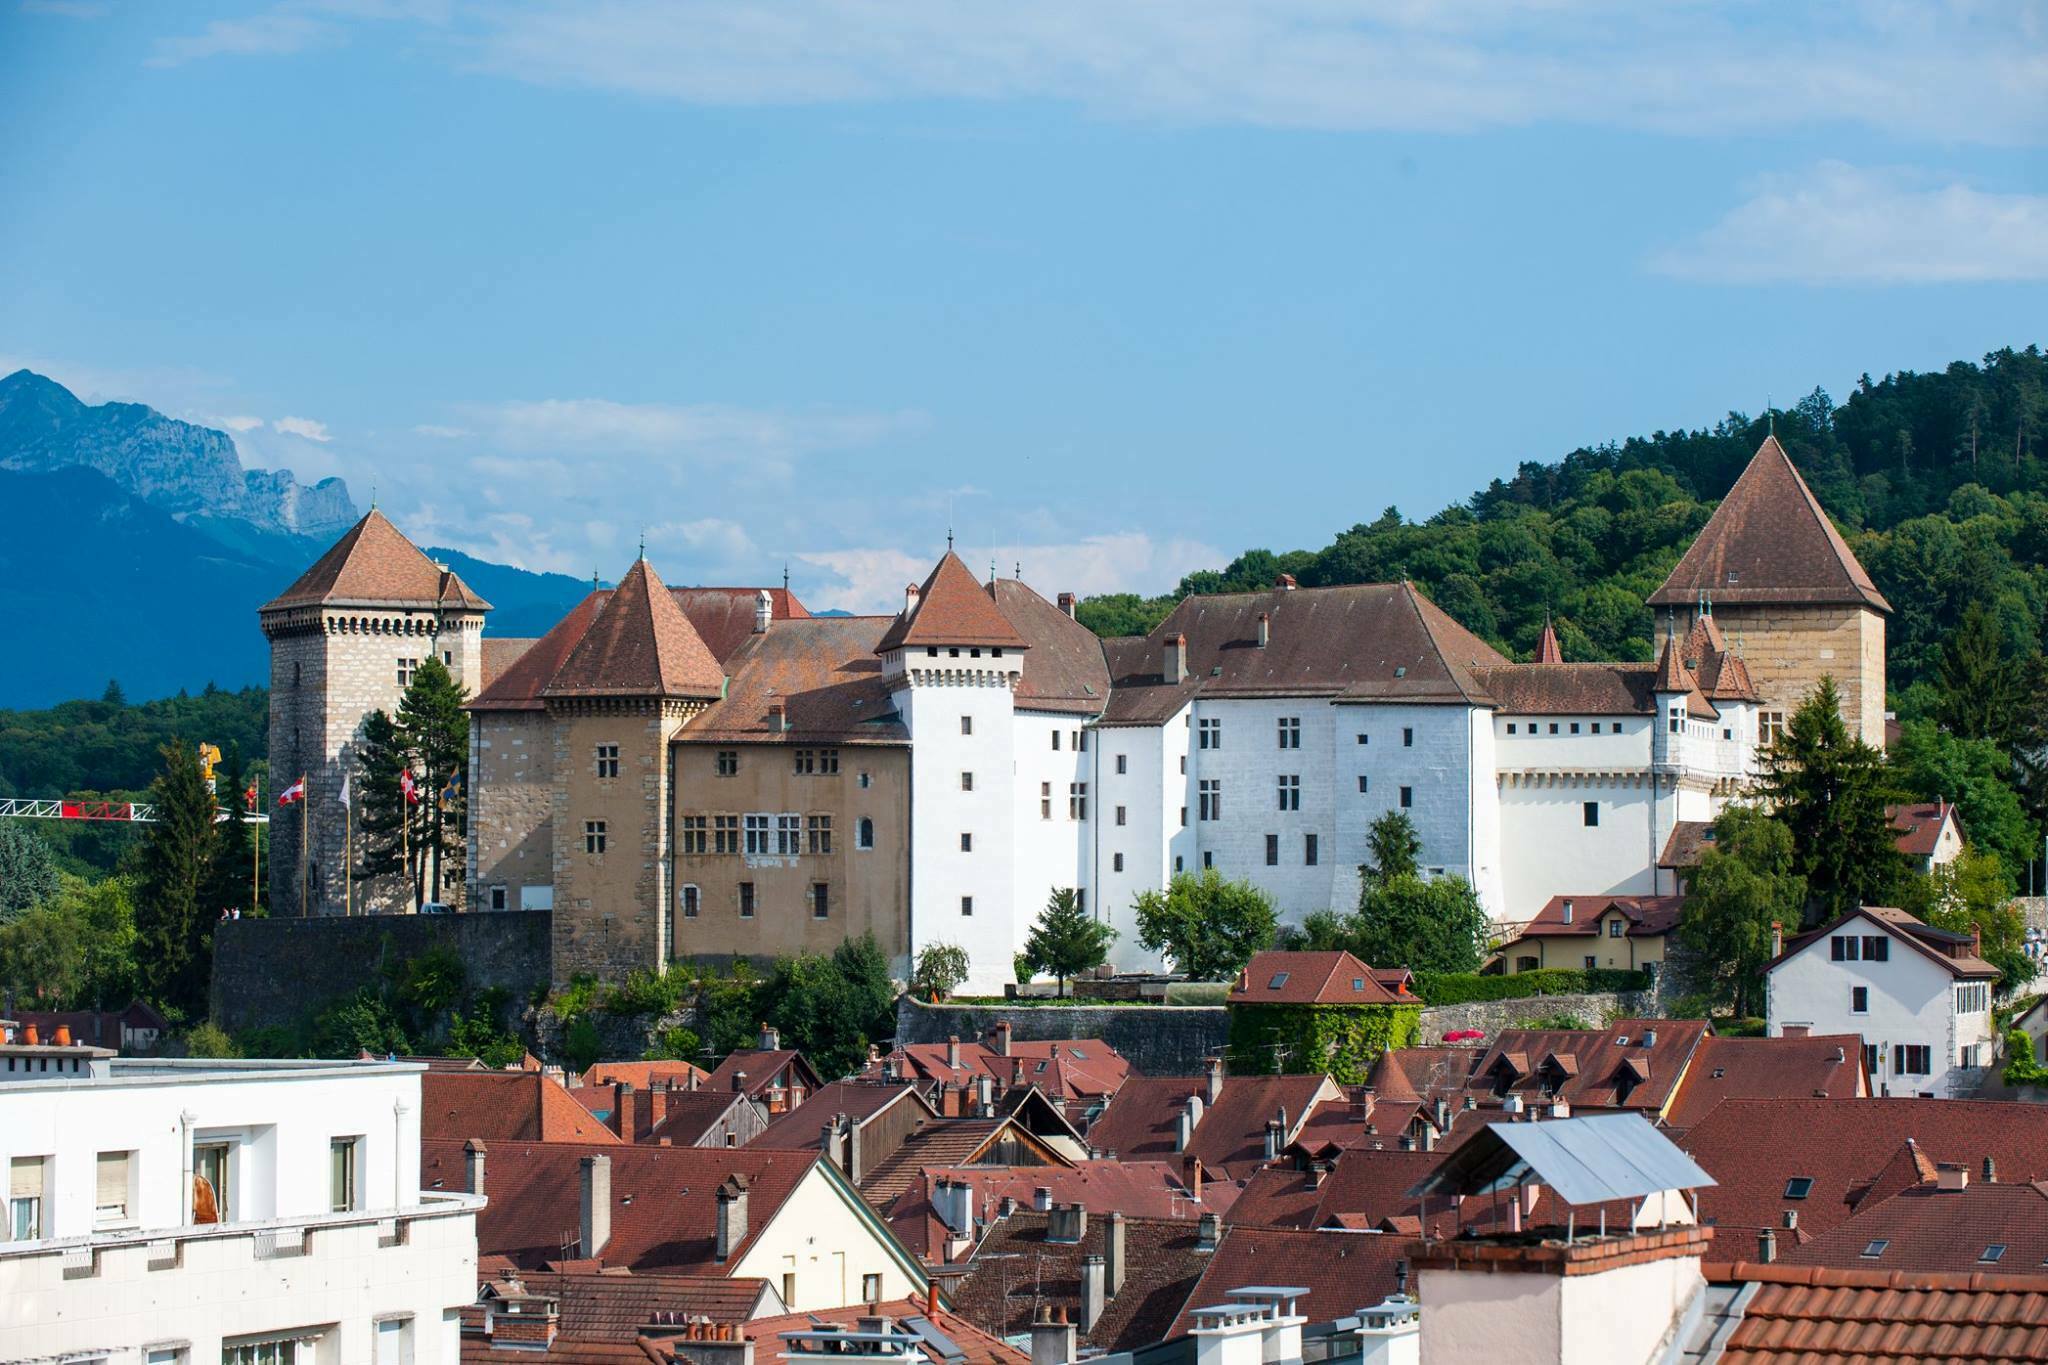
278, 970
1788, 649
1491, 1016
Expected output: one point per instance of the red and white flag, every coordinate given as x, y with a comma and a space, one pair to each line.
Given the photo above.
409, 787
293, 794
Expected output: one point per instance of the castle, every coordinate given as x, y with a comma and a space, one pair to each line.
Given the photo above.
714, 772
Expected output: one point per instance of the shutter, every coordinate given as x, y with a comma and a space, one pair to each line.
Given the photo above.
25, 1178
111, 1189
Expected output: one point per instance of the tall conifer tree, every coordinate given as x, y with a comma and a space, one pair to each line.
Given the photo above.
173, 922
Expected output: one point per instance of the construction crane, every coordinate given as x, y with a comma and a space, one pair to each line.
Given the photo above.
120, 812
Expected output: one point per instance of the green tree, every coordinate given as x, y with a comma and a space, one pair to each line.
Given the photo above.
941, 967
436, 731
231, 885
1934, 765
1979, 689
1395, 849
1433, 925
28, 873
1830, 789
1746, 880
173, 925
831, 1008
1208, 928
39, 958
1973, 894
104, 915
386, 827
1066, 940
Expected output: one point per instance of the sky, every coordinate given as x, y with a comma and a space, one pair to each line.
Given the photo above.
1114, 290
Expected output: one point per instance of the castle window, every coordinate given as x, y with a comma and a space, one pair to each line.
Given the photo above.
1077, 801
1209, 794
1209, 734
1123, 763
1120, 813
1408, 736
966, 842
1290, 791
725, 831
1081, 741
693, 901
1364, 784
1365, 739
607, 760
866, 780
746, 900
1769, 725
1309, 849
407, 669
1117, 862
967, 782
1575, 727
696, 834
1045, 800
1407, 797
728, 762
1590, 813
864, 833
1055, 741
818, 830
805, 762
819, 904
1208, 858
1511, 727
448, 657
1272, 850
760, 835
966, 725
931, 651
593, 836
828, 762
967, 905
788, 828
1553, 727
497, 898
1290, 732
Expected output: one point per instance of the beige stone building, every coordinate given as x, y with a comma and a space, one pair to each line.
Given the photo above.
1787, 593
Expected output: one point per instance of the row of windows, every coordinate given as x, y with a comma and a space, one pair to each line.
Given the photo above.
1209, 798
115, 1182
1532, 727
803, 762
1310, 850
776, 834
1209, 734
953, 651
747, 901
1077, 801
1860, 948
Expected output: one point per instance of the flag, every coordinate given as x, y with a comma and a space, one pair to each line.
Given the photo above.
344, 789
453, 789
293, 794
409, 787
249, 797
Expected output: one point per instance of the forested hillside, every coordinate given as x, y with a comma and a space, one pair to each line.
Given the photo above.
1939, 480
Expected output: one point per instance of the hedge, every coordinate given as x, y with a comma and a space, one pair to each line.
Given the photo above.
2020, 1066
1342, 1040
1458, 988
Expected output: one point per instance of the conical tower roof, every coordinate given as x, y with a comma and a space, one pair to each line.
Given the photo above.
1672, 674
639, 645
1547, 649
952, 609
1769, 542
373, 564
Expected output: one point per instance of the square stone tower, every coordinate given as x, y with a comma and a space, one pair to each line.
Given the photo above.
344, 641
1788, 595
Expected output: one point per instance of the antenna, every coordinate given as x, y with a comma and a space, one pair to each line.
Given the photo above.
373, 497
643, 542
785, 576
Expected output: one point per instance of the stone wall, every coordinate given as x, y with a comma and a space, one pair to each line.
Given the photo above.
1491, 1016
278, 971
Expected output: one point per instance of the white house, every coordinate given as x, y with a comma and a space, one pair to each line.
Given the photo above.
253, 1213
1919, 996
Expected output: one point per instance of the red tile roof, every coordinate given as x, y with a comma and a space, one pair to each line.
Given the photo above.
1139, 1189
1016, 1269
1066, 1069
692, 1114
822, 671
611, 1306
952, 609
1548, 651
1767, 1068
519, 685
1925, 1227
664, 1210
1561, 689
1919, 826
1769, 541
1310, 978
1815, 1315
1065, 669
1947, 950
639, 645
1342, 1271
504, 1105
765, 1071
944, 1144
373, 564
1647, 916
724, 617
1229, 1140
1585, 1067
499, 654
858, 1100
976, 1346
678, 1074
1423, 1072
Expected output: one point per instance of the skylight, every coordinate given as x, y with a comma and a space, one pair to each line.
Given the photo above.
1876, 1249
1798, 1187
1279, 980
1357, 983
1993, 1254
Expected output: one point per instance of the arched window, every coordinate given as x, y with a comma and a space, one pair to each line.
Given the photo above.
864, 833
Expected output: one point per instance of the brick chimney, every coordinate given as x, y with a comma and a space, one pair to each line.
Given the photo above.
1052, 1337
594, 1226
473, 1164
1066, 601
732, 1215
1213, 1089
1174, 664
1265, 630
622, 1110
657, 1107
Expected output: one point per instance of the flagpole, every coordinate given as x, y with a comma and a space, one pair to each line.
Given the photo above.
256, 855
348, 853
405, 845
305, 819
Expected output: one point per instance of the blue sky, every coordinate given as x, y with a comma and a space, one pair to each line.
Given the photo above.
1122, 289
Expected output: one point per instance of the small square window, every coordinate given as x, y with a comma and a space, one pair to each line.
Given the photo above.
1511, 727
1365, 739
1407, 798
593, 836
1575, 727
1798, 1187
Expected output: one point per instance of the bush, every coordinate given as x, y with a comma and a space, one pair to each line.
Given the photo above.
581, 1046
1342, 1040
2020, 1066
673, 1045
210, 1040
941, 967
645, 992
1458, 988
363, 1023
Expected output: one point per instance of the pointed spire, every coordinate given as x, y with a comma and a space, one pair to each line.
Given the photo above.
1547, 650
952, 609
640, 645
373, 562
1672, 674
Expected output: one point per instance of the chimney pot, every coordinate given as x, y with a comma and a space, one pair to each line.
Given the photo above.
1265, 630
1767, 1247
1067, 603
764, 611
1208, 1231
1791, 1219
595, 1224
473, 1161
953, 1051
1175, 665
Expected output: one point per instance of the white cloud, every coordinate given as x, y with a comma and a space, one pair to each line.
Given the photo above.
1974, 72
598, 426
441, 433
304, 427
238, 424
277, 33
1844, 225
711, 539
872, 580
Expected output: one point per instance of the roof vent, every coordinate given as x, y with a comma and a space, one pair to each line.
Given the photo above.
1265, 630
1567, 912
1285, 582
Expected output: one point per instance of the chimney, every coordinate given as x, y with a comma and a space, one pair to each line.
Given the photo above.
1041, 1199
473, 1164
1052, 1339
732, 1215
1649, 1037
1316, 1171
778, 717
1285, 582
1272, 1139
1193, 1104
1777, 938
764, 611
953, 1051
1094, 1291
1443, 1115
1363, 1102
1067, 1223
854, 1165
716, 1344
63, 1038
595, 1225
739, 1080
622, 1110
1174, 667
1191, 1176
953, 1202
1952, 1176
1183, 1130
1208, 1231
1766, 1247
1567, 911
1990, 1171
1791, 1220
1841, 1054
1265, 630
985, 1095
828, 1140
1002, 1029
909, 601
1213, 1091
1113, 1252
1066, 601
657, 1105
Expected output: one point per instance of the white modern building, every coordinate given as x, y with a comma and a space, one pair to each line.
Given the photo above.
1919, 996
252, 1213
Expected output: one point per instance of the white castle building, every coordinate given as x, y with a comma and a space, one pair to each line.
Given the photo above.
712, 772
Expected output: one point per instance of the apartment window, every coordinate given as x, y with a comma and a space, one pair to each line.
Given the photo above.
111, 1175
280, 1351
871, 1289
1116, 862
728, 762
1871, 1065
407, 670
806, 761
164, 1355
1080, 741
828, 762
497, 898
820, 901
1290, 732
1209, 733
1120, 813
725, 833
1045, 800
1208, 858
1592, 963
1845, 948
966, 725
1364, 784
1407, 798
25, 1184
392, 1343
760, 835
1183, 817
967, 905
1911, 1059
693, 901
746, 900
1123, 763
1877, 948
607, 760
866, 780
1077, 800
818, 833
342, 1156
593, 836
1055, 741
1183, 765
1310, 852
1210, 798
966, 842
1590, 812
1859, 1000
1407, 736
1272, 850
864, 833
696, 834
788, 835
1972, 998
967, 782
1616, 928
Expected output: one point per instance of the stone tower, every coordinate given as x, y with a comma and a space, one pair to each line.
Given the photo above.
637, 675
344, 640
1787, 594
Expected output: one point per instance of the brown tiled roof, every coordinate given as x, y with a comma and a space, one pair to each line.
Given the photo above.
1064, 1068
1817, 1315
1562, 689
1423, 1072
858, 1100
976, 1346
1230, 1139
1365, 1186
764, 1070
1689, 839
639, 645
941, 1145
724, 617
1767, 1068
1939, 946
1648, 916
1672, 675
519, 685
1309, 978
1548, 651
952, 609
1016, 1269
644, 1074
1593, 1061
614, 1307
822, 670
664, 1207
1342, 1271
504, 1105
374, 564
691, 1114
499, 655
1918, 826
1139, 1189
1064, 670
1769, 541
1752, 1147
1725, 677
1928, 1228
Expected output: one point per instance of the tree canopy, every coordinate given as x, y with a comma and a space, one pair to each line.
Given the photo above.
1208, 928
